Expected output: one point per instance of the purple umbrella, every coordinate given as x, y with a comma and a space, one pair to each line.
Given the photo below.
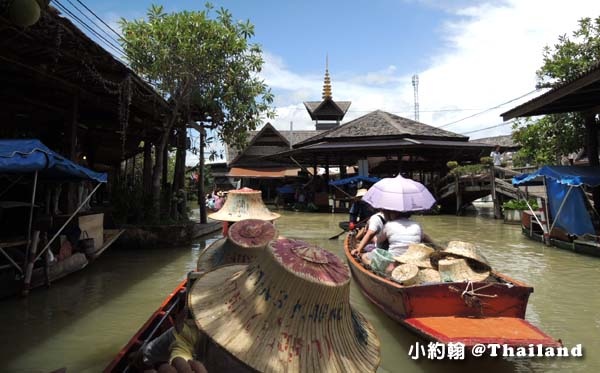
399, 194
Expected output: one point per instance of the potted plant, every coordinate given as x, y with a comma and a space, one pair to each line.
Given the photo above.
512, 209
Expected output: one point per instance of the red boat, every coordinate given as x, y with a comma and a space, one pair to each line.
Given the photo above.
441, 312
160, 321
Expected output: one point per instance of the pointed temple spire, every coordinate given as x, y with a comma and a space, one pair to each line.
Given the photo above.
327, 82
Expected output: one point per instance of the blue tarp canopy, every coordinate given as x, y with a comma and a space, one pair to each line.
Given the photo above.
354, 179
574, 216
28, 156
569, 175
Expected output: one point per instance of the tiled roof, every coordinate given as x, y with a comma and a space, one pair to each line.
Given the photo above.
381, 123
505, 141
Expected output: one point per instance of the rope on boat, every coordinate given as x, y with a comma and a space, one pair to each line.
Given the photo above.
471, 297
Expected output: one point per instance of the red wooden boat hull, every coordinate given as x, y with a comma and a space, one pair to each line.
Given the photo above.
437, 311
157, 323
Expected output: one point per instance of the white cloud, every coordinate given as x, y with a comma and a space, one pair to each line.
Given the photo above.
489, 57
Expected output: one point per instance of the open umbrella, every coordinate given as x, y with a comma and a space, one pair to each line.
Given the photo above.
399, 194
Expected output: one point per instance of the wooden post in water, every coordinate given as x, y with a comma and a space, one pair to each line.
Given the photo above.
497, 209
458, 194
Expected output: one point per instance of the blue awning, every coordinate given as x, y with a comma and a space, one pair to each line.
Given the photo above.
28, 156
355, 179
568, 175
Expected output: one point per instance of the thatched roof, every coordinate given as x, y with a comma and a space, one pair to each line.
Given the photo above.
382, 124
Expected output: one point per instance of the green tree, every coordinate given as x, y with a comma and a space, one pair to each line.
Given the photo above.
205, 65
546, 139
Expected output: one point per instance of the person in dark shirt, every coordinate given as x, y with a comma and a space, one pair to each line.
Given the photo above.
360, 211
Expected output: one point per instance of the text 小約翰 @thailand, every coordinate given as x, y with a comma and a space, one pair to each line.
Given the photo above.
458, 351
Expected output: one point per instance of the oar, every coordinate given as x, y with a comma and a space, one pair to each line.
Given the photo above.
342, 232
337, 235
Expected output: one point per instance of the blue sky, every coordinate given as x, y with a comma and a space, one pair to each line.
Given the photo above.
470, 55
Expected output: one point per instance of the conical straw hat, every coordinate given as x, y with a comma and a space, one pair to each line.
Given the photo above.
288, 311
245, 239
458, 270
428, 276
406, 274
243, 204
417, 254
466, 250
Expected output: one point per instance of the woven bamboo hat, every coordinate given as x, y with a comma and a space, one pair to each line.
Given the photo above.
288, 311
417, 254
245, 239
361, 192
428, 276
466, 250
243, 204
458, 270
406, 274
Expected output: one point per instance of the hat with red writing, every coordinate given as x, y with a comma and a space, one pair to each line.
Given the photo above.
287, 311
245, 239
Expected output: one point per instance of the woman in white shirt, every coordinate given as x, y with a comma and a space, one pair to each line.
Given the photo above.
398, 232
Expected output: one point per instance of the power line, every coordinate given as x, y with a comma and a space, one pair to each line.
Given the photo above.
492, 108
92, 21
88, 27
100, 19
490, 127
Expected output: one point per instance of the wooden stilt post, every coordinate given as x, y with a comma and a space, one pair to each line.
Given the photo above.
497, 207
458, 194
47, 262
30, 261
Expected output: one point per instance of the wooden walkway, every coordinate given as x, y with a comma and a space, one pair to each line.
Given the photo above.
455, 193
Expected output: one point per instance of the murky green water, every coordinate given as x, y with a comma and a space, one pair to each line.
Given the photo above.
83, 321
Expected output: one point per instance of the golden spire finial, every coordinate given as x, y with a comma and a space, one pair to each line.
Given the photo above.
327, 83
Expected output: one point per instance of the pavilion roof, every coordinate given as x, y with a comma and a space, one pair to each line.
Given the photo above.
382, 124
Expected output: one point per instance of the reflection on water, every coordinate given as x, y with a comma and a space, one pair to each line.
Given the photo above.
84, 320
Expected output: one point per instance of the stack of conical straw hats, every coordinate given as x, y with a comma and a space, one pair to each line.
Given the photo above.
245, 239
243, 204
463, 262
288, 311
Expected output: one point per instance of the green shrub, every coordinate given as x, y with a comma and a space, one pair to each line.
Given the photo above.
519, 204
452, 164
470, 169
488, 161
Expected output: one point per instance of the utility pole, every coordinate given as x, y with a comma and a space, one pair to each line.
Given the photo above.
415, 83
201, 199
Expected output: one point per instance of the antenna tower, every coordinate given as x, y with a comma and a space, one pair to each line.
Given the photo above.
415, 83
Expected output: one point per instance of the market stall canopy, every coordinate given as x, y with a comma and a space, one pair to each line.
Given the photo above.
354, 179
28, 156
568, 175
568, 204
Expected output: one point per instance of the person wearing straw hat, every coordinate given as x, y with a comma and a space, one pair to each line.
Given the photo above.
359, 211
288, 311
243, 204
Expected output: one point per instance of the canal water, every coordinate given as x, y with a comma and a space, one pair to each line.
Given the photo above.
84, 319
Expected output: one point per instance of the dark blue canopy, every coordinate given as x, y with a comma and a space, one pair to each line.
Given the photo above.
569, 175
28, 156
354, 179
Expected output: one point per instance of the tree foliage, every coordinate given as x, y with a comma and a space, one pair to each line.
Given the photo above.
204, 64
196, 59
570, 57
545, 140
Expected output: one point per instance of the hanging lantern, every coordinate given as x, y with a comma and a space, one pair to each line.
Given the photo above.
24, 13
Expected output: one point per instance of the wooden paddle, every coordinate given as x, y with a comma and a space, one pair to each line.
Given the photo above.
355, 224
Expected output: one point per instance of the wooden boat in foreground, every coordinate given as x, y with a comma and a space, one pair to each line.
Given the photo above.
161, 320
439, 312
